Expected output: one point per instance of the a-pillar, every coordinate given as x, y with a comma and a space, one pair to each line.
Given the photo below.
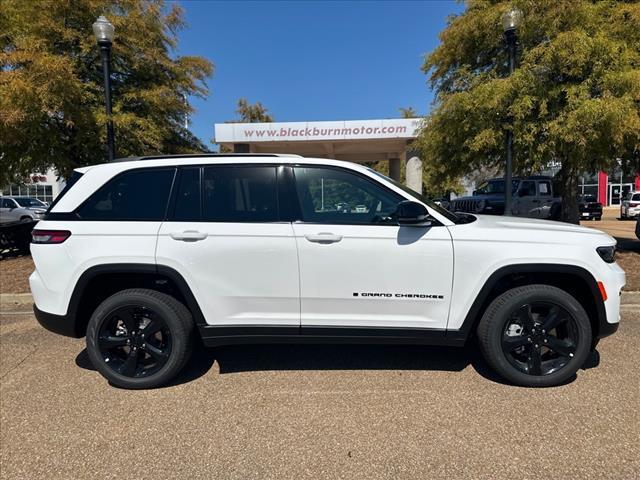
394, 169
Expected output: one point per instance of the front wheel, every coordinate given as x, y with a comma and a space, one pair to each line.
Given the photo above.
139, 338
535, 336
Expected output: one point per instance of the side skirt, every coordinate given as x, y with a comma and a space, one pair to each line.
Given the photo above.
213, 336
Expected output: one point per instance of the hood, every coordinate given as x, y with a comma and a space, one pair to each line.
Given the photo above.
489, 197
543, 228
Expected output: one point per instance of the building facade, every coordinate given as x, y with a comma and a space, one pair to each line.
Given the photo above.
45, 187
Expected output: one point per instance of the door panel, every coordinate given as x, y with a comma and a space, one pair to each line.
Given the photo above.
240, 274
358, 268
375, 276
225, 238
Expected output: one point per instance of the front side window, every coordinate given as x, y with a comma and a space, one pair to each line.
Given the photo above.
239, 194
528, 189
135, 195
29, 202
334, 196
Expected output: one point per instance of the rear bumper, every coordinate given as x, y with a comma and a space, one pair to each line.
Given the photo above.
60, 324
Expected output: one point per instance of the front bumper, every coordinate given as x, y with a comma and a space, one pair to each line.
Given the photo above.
60, 324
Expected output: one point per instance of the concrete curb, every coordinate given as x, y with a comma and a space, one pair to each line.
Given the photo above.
15, 299
11, 299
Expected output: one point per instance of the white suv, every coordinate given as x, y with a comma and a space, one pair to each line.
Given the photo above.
630, 205
147, 255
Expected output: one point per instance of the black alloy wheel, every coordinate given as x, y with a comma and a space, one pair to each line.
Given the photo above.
134, 341
539, 338
535, 335
140, 338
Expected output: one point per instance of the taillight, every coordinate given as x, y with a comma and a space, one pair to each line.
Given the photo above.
49, 236
633, 204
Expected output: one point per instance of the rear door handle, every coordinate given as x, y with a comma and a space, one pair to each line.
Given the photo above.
323, 237
188, 235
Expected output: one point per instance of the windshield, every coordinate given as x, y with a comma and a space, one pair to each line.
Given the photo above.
496, 186
29, 202
586, 198
445, 213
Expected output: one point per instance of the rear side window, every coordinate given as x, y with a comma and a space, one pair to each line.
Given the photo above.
635, 197
137, 195
239, 194
188, 196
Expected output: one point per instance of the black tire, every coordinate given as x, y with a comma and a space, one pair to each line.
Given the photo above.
598, 218
526, 358
160, 327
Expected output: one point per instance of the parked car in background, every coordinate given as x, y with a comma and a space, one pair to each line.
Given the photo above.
21, 209
589, 207
533, 197
630, 206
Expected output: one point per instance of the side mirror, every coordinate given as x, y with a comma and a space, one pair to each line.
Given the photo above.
413, 214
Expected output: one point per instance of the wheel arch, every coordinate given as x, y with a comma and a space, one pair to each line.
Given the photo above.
573, 279
101, 281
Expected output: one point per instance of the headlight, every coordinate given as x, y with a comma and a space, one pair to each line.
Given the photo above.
480, 206
608, 254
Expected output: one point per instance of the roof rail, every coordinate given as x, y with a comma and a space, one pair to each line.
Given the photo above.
198, 155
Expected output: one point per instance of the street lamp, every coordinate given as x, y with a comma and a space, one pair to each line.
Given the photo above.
510, 21
103, 30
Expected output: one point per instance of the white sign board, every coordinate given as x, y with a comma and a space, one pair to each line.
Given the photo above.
316, 131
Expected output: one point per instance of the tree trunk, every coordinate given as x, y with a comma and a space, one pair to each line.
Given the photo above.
569, 177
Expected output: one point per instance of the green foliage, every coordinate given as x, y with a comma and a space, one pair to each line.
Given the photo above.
51, 87
408, 112
574, 97
248, 113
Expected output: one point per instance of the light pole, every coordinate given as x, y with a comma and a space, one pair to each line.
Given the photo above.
510, 21
103, 30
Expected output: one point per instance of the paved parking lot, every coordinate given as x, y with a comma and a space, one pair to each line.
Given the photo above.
314, 412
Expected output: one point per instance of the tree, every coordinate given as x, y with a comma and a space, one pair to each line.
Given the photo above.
574, 97
408, 112
51, 89
249, 113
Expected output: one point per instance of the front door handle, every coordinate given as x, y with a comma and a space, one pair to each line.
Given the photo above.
188, 235
323, 237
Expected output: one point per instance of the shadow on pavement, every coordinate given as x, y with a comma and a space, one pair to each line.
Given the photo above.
628, 244
255, 358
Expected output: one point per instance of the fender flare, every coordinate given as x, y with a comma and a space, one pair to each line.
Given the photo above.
603, 327
141, 268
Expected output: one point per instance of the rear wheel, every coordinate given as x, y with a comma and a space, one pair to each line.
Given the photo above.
535, 336
140, 338
598, 218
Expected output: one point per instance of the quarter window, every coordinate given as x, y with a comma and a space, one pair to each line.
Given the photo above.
240, 194
544, 188
136, 195
334, 196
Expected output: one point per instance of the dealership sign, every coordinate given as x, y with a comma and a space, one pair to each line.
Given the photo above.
316, 131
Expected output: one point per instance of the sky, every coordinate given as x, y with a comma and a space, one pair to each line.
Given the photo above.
313, 60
